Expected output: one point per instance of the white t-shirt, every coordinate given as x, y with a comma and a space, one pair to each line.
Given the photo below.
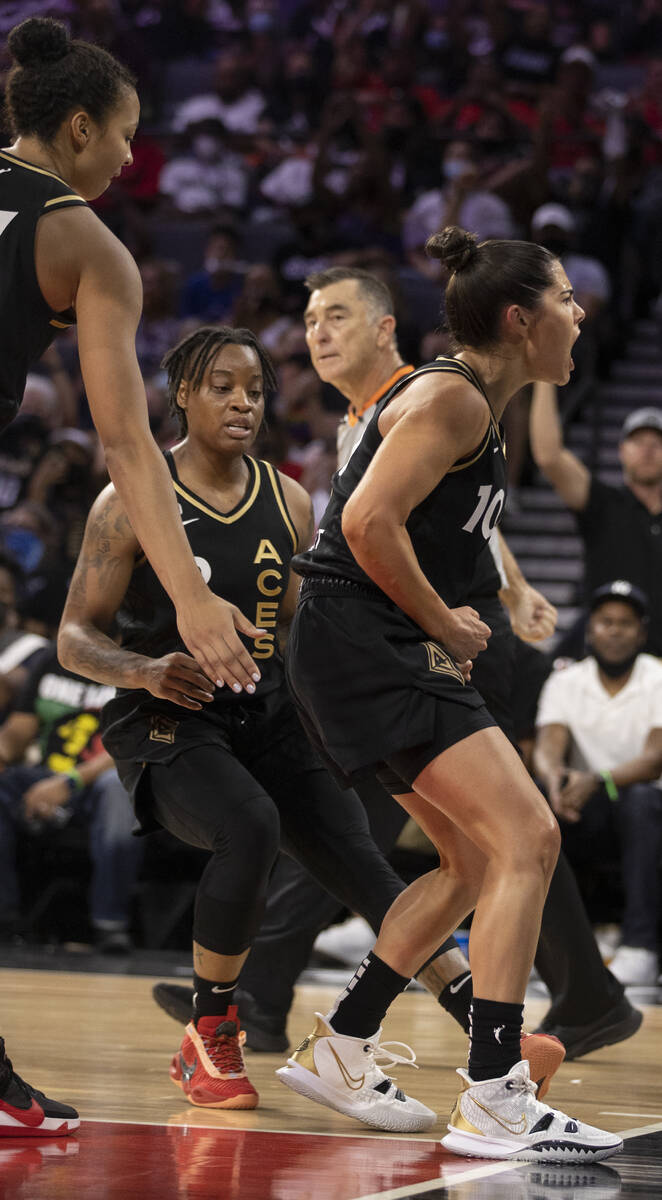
196, 186
605, 730
481, 212
239, 116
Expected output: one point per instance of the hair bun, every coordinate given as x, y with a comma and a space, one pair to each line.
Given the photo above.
456, 248
38, 40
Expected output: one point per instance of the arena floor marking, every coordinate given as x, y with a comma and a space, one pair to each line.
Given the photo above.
154, 1161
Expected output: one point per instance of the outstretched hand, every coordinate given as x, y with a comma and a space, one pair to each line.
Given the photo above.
210, 630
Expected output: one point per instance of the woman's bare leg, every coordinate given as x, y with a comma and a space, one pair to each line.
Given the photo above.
410, 932
480, 785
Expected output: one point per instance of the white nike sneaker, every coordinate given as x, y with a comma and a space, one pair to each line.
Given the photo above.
347, 943
342, 1073
501, 1118
635, 966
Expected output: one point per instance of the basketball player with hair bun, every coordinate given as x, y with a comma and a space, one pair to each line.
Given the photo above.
379, 661
74, 112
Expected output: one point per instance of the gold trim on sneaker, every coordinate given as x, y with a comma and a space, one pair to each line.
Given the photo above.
304, 1054
458, 1121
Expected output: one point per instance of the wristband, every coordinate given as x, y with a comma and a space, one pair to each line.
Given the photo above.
609, 785
76, 782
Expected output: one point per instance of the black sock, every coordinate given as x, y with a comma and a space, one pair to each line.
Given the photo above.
360, 1009
447, 976
211, 998
495, 1032
457, 997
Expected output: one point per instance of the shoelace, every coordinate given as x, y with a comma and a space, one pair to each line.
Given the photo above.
225, 1052
519, 1083
388, 1058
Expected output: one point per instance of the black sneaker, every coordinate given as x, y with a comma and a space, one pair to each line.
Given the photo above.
113, 941
265, 1033
25, 1112
617, 1024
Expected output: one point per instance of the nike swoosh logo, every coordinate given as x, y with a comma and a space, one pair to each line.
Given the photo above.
190, 520
353, 1084
187, 1069
217, 989
509, 1126
32, 1116
455, 987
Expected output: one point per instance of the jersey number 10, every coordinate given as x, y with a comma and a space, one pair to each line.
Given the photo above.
488, 509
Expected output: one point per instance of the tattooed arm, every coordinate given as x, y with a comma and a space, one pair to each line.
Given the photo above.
100, 580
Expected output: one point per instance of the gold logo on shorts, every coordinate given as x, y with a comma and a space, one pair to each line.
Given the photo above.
163, 730
440, 661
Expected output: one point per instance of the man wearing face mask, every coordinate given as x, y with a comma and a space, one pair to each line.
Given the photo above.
460, 201
599, 755
208, 176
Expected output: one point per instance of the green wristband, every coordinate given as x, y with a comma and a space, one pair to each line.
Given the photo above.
610, 787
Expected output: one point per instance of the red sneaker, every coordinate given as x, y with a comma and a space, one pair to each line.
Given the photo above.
209, 1066
544, 1054
25, 1112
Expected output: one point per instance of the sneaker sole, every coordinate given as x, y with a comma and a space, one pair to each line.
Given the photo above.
544, 1054
49, 1127
472, 1145
299, 1080
236, 1102
609, 1035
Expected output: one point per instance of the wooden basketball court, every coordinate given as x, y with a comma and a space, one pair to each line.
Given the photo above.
99, 1042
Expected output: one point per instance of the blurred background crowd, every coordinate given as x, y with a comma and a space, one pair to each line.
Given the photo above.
279, 137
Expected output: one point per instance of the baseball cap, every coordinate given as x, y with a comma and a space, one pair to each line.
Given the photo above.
578, 53
642, 418
620, 589
552, 214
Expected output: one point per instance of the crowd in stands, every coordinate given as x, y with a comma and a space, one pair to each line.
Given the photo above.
279, 137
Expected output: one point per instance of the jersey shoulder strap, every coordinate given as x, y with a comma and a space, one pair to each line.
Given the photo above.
449, 366
452, 366
39, 187
270, 479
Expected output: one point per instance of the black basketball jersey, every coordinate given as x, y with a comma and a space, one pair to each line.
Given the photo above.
448, 530
243, 556
27, 324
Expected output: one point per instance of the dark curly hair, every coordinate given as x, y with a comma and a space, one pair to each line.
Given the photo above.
52, 75
189, 359
484, 278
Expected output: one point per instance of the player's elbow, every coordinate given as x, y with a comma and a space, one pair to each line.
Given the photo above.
65, 646
363, 527
128, 455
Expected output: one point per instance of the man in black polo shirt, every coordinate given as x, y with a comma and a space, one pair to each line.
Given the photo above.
621, 527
